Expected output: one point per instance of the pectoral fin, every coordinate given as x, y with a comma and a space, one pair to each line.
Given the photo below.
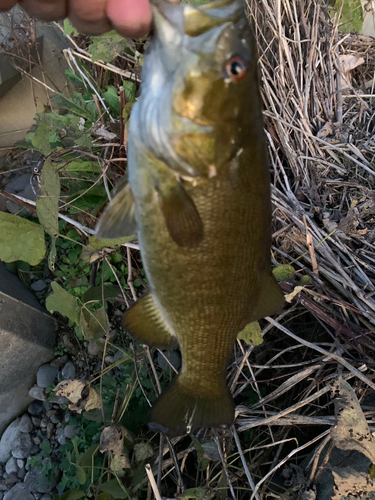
145, 322
181, 215
118, 219
270, 301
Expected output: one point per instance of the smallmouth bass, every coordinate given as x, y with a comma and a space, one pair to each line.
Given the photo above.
198, 197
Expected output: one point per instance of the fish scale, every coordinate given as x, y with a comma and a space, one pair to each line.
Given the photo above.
199, 199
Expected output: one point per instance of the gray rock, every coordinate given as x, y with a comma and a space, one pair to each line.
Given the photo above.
21, 447
37, 392
1, 495
7, 439
11, 480
21, 473
14, 208
11, 466
34, 450
18, 184
93, 349
119, 355
46, 496
20, 463
38, 483
36, 408
36, 422
70, 431
3, 486
61, 437
59, 362
25, 424
47, 405
38, 286
69, 371
56, 418
174, 358
19, 492
46, 375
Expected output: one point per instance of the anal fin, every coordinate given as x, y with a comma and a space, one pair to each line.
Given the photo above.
118, 219
145, 323
271, 300
181, 215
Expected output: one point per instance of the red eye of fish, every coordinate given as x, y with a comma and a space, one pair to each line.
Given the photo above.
236, 69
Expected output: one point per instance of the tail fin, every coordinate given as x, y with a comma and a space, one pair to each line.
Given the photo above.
179, 411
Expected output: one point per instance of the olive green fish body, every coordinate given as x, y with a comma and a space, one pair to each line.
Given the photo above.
199, 184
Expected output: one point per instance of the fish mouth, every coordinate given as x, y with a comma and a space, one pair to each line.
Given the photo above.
194, 20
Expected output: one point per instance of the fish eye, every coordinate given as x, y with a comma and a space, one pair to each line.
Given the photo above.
236, 69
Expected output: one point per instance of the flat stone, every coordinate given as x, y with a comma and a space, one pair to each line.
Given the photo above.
59, 362
60, 400
69, 371
18, 184
37, 392
11, 466
36, 422
174, 358
7, 439
36, 408
47, 405
70, 431
21, 473
60, 437
46, 375
11, 480
25, 424
119, 355
20, 463
22, 445
36, 482
19, 492
38, 286
46, 496
93, 349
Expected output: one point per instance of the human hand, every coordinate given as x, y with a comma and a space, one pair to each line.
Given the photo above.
131, 18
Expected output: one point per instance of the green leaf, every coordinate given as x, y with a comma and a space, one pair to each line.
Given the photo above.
113, 487
85, 141
86, 458
95, 293
127, 110
77, 105
351, 15
80, 474
251, 334
106, 47
94, 324
69, 29
40, 139
202, 461
21, 239
112, 99
142, 452
91, 167
72, 495
75, 78
129, 89
197, 493
284, 272
47, 206
94, 245
103, 496
63, 303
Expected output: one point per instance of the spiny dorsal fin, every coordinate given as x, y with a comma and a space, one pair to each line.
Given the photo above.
181, 216
144, 321
118, 219
271, 300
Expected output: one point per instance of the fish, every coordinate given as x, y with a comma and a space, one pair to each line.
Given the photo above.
198, 197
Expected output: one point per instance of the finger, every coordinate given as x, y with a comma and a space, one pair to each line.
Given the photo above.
89, 16
131, 18
47, 10
6, 4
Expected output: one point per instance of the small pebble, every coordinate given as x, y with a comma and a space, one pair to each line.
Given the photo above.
69, 371
46, 374
56, 418
20, 463
47, 405
109, 359
59, 362
36, 422
46, 496
43, 423
11, 480
21, 473
36, 440
36, 408
50, 430
70, 431
37, 392
61, 437
11, 466
25, 424
38, 286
